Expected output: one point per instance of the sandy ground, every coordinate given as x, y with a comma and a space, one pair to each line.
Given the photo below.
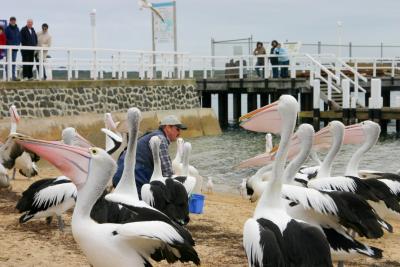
217, 232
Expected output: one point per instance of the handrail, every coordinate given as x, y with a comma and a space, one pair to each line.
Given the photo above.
322, 67
352, 70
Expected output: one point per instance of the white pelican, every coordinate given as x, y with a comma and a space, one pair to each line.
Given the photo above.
329, 211
71, 137
191, 183
210, 185
115, 143
149, 233
177, 166
26, 162
271, 237
46, 198
165, 194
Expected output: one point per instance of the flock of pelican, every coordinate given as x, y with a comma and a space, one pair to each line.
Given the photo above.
304, 215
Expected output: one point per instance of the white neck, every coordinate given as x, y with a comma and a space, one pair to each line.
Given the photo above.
92, 189
352, 166
127, 184
185, 161
157, 172
271, 196
297, 162
326, 166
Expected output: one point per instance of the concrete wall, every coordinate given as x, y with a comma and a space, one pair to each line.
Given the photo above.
66, 98
200, 122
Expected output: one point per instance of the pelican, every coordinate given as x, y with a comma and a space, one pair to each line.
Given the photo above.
145, 4
46, 198
26, 162
210, 185
115, 142
268, 143
71, 137
192, 184
271, 237
165, 194
242, 187
329, 211
178, 162
148, 233
4, 178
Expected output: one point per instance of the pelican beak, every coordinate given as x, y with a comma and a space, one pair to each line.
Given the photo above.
14, 114
72, 161
354, 134
113, 136
264, 119
109, 122
322, 139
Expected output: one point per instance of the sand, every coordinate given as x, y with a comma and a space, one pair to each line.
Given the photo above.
217, 232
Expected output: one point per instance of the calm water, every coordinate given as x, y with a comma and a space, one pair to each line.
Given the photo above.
217, 156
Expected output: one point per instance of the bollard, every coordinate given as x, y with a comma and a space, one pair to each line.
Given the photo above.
316, 104
375, 101
346, 101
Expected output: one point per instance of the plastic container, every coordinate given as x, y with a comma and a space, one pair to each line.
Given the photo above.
196, 203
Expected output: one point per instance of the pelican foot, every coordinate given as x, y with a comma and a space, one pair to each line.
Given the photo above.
60, 223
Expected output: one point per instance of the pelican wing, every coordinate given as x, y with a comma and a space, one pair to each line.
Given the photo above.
262, 242
158, 239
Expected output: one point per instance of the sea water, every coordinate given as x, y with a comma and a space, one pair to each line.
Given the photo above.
218, 156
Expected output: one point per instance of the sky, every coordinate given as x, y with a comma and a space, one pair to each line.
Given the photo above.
120, 23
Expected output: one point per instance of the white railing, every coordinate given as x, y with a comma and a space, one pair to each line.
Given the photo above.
88, 63
119, 64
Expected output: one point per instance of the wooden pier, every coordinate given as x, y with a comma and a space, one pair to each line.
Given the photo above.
270, 90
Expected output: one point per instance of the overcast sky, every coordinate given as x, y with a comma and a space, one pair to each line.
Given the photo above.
122, 25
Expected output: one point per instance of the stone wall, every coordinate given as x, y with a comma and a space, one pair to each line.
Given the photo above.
67, 98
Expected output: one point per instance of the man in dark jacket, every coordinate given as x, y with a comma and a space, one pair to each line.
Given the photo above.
13, 38
274, 59
169, 131
28, 38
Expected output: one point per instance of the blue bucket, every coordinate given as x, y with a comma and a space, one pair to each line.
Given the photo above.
196, 203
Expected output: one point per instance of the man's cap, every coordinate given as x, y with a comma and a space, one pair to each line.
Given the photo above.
13, 18
172, 120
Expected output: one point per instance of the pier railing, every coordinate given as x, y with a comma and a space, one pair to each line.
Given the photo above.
88, 63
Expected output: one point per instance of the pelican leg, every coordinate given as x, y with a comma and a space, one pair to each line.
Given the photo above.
60, 223
340, 264
13, 176
49, 219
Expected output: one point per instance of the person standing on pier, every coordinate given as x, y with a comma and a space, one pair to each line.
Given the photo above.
259, 51
44, 40
3, 41
13, 38
168, 131
28, 38
283, 60
274, 59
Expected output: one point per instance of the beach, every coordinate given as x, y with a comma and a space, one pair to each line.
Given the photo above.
217, 233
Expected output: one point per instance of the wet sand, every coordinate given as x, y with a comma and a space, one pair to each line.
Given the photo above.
217, 232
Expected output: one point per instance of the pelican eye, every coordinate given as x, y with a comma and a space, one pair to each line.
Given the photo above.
94, 151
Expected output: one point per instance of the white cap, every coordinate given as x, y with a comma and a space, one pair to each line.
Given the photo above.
172, 120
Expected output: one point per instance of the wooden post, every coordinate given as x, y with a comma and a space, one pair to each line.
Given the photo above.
223, 110
237, 106
397, 105
316, 104
264, 99
386, 103
346, 101
375, 102
251, 101
206, 99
